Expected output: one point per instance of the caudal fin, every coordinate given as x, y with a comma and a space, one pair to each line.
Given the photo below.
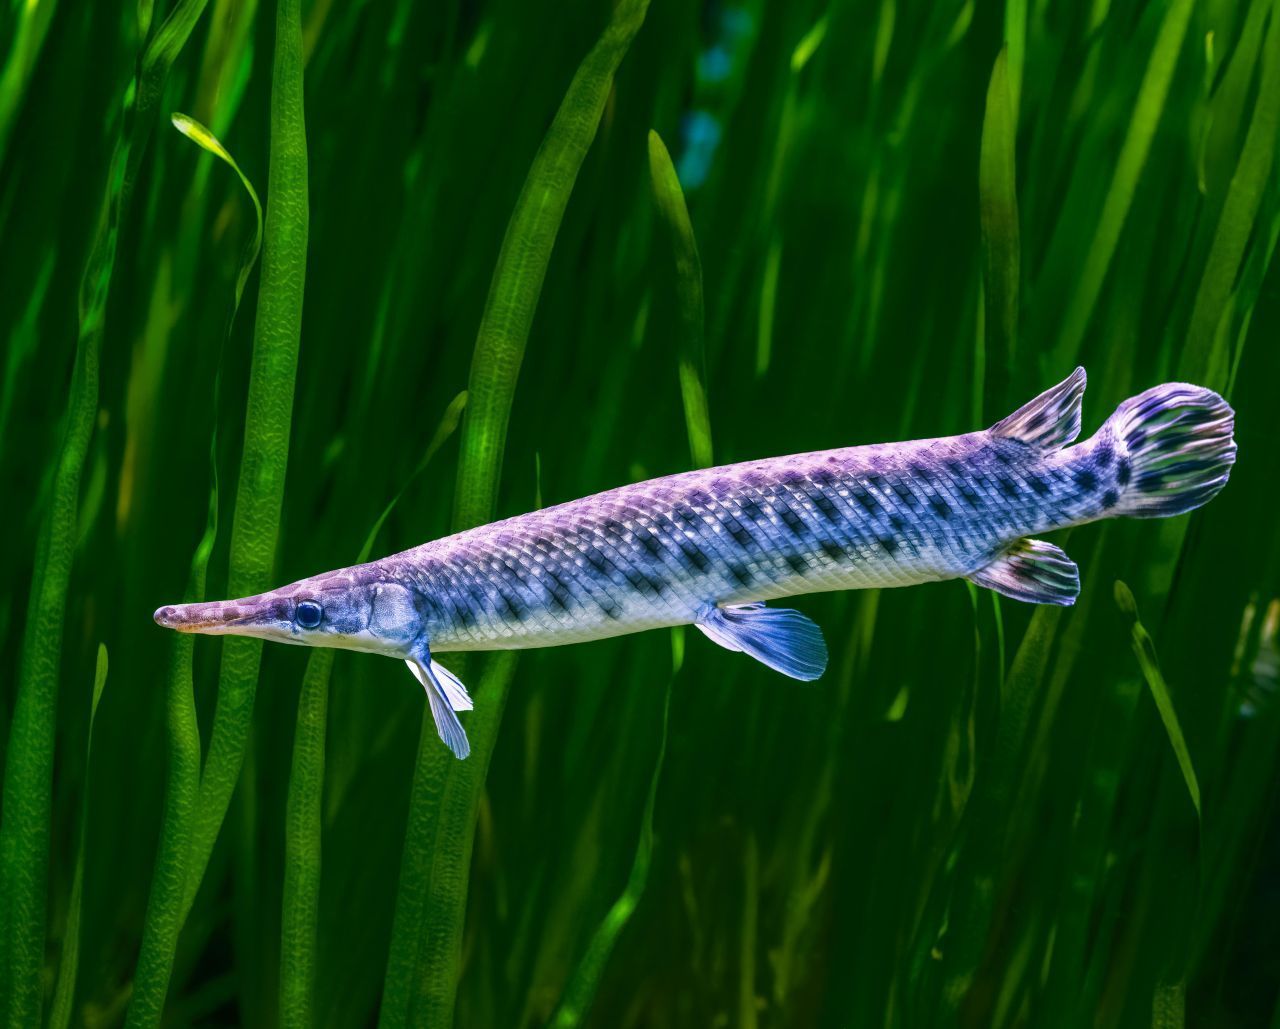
1173, 447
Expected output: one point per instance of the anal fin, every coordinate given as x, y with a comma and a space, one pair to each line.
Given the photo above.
447, 724
1032, 571
781, 638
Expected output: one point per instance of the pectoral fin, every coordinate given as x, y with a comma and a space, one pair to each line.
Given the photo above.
447, 724
783, 639
1033, 571
459, 698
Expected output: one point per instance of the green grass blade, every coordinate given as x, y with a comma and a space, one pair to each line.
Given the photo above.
20, 62
64, 993
167, 904
260, 492
424, 963
1169, 1006
586, 977
983, 848
1236, 224
522, 267
204, 138
693, 362
24, 835
1145, 651
304, 804
24, 838
1147, 111
1015, 47
1001, 249
302, 845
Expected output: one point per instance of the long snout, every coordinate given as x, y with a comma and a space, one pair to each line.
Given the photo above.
250, 616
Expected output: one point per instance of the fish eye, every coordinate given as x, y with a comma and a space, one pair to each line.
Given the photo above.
308, 614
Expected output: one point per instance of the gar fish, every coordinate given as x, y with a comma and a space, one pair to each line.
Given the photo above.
710, 547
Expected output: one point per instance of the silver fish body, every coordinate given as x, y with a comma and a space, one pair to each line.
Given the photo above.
654, 553
711, 547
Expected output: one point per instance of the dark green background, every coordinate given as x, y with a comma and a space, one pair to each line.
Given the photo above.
976, 817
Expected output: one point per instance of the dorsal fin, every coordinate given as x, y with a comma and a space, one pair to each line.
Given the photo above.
1050, 421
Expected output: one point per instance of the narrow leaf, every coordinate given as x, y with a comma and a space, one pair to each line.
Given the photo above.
1001, 250
1144, 649
426, 938
64, 993
693, 364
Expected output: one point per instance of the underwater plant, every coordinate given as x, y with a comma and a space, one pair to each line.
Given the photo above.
516, 253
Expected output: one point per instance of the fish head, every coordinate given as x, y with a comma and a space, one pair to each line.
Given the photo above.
352, 609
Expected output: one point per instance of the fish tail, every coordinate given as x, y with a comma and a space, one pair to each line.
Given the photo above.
1172, 447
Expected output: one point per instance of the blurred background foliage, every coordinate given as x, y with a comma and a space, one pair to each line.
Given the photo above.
911, 216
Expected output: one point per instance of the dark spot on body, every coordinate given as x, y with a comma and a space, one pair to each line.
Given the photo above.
968, 494
897, 523
940, 507
686, 516
792, 520
513, 603
904, 493
739, 573
1003, 458
889, 544
610, 607
797, 563
1086, 481
1109, 499
823, 477
560, 592
826, 507
833, 550
751, 509
957, 469
1123, 472
740, 535
464, 612
695, 556
865, 500
650, 543
638, 581
1037, 484
1103, 455
1007, 486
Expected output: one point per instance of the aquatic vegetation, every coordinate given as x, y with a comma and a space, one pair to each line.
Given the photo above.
877, 220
